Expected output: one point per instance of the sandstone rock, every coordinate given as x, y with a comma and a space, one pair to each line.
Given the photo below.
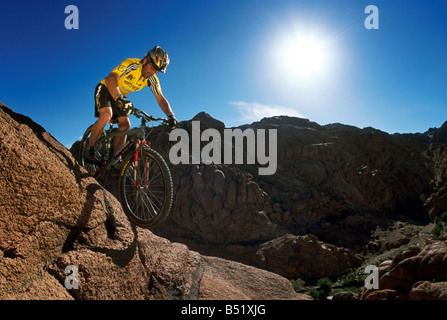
228, 203
345, 296
53, 215
305, 256
223, 280
337, 182
430, 263
426, 290
48, 205
384, 294
415, 274
439, 135
437, 202
339, 175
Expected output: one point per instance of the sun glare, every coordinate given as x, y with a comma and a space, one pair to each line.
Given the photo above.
303, 56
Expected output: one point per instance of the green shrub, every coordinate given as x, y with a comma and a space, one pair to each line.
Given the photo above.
316, 294
323, 290
297, 284
352, 279
325, 285
438, 228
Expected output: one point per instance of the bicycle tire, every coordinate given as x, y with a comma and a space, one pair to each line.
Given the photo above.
92, 169
147, 201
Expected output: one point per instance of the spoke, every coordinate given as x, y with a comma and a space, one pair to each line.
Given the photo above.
149, 205
143, 206
159, 199
147, 201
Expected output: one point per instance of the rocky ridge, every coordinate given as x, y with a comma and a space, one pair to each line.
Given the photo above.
342, 198
336, 186
54, 216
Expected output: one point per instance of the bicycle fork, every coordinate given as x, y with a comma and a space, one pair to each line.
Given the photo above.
139, 144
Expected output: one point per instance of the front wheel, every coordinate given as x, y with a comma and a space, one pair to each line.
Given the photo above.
146, 188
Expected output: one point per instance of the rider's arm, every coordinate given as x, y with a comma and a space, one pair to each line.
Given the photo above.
111, 82
164, 104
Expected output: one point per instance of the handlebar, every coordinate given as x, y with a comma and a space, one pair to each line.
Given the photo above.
141, 114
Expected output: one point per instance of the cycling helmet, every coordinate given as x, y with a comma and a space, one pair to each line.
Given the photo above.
159, 58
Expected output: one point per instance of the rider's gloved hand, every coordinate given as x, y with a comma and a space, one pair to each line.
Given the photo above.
172, 121
122, 102
124, 105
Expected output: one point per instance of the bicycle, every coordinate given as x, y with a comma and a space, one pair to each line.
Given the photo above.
145, 181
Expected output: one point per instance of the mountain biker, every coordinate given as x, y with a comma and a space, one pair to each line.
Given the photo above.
110, 94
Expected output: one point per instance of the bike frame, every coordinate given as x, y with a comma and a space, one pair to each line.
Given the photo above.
144, 182
139, 143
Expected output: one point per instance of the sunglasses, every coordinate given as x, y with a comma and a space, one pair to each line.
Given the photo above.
155, 65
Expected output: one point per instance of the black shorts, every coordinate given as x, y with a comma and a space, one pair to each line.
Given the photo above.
104, 99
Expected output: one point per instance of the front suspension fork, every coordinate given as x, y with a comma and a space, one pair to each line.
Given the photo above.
139, 144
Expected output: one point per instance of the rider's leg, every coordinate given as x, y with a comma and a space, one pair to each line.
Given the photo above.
105, 114
123, 125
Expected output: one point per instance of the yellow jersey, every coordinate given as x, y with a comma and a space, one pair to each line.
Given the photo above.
130, 78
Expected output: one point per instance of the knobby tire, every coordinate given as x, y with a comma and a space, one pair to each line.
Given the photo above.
147, 200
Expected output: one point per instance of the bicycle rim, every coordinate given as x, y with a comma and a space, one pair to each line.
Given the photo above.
146, 189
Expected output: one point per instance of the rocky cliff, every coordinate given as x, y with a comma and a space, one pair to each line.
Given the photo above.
339, 194
336, 190
54, 217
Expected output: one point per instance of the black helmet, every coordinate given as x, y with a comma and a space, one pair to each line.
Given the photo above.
159, 58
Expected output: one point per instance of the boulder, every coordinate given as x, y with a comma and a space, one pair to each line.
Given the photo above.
426, 290
416, 274
305, 256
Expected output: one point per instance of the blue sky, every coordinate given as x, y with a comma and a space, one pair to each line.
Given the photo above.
235, 59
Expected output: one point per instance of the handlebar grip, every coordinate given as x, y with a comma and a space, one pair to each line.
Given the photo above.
141, 114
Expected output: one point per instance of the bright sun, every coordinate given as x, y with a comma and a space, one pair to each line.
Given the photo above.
303, 56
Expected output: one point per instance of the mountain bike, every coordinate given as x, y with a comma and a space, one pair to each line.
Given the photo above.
145, 182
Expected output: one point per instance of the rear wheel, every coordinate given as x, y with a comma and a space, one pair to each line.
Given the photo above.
146, 188
93, 167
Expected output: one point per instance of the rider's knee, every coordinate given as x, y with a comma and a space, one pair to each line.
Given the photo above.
124, 123
105, 117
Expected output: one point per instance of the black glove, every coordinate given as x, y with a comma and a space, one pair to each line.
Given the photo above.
124, 106
172, 121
